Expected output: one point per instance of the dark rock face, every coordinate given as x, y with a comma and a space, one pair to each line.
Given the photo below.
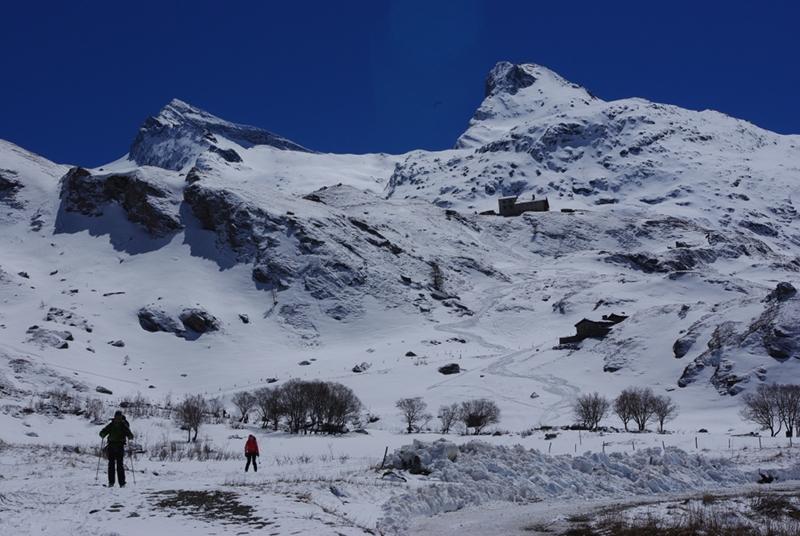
760, 228
273, 273
192, 319
452, 368
199, 320
9, 187
229, 155
82, 193
147, 204
509, 78
154, 320
774, 333
682, 346
782, 292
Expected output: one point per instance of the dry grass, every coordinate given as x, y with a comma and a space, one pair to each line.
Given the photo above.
765, 514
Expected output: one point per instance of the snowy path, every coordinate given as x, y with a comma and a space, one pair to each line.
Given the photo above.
503, 357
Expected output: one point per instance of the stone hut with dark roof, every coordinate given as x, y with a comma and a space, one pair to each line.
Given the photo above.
509, 206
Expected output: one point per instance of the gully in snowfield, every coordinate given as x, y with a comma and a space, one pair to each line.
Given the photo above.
251, 453
118, 431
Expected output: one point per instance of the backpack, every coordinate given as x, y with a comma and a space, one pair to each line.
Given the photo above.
251, 447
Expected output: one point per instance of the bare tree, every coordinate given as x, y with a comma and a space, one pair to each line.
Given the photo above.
413, 412
449, 416
269, 403
343, 406
478, 413
317, 399
643, 406
244, 402
294, 401
623, 406
189, 414
665, 410
589, 410
788, 403
762, 408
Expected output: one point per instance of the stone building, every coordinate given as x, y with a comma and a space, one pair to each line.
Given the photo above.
510, 206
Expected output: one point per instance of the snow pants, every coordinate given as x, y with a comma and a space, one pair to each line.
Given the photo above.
116, 457
251, 458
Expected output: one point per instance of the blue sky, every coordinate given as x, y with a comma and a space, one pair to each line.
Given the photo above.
77, 79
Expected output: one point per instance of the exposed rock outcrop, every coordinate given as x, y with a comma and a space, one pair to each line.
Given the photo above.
69, 318
9, 188
147, 203
154, 319
199, 320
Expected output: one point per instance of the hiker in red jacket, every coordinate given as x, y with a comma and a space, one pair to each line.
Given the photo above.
251, 453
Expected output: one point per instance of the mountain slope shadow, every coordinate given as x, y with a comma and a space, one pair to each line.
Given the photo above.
203, 243
123, 235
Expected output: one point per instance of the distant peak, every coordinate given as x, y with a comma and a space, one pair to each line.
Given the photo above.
523, 92
180, 133
507, 77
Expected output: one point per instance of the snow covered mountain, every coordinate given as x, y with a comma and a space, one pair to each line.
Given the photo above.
682, 221
217, 258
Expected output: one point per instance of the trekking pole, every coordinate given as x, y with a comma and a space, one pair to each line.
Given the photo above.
99, 455
133, 471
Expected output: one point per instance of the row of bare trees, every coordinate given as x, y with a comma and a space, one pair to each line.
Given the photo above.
772, 407
477, 414
637, 404
303, 406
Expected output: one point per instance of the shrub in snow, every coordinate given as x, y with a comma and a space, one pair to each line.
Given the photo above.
449, 416
478, 413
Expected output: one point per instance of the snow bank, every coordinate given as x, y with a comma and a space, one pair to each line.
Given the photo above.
483, 473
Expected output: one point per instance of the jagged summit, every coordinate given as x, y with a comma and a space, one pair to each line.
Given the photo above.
521, 92
507, 77
180, 133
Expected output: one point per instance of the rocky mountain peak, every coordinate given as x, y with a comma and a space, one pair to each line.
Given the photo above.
521, 92
180, 133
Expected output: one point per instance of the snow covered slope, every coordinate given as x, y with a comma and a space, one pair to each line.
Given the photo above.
681, 221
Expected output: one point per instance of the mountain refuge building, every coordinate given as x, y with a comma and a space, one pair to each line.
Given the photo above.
510, 206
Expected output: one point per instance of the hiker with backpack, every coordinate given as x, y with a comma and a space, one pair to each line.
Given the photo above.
118, 432
251, 453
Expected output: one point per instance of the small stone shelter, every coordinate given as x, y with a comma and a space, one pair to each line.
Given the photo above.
593, 328
510, 206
